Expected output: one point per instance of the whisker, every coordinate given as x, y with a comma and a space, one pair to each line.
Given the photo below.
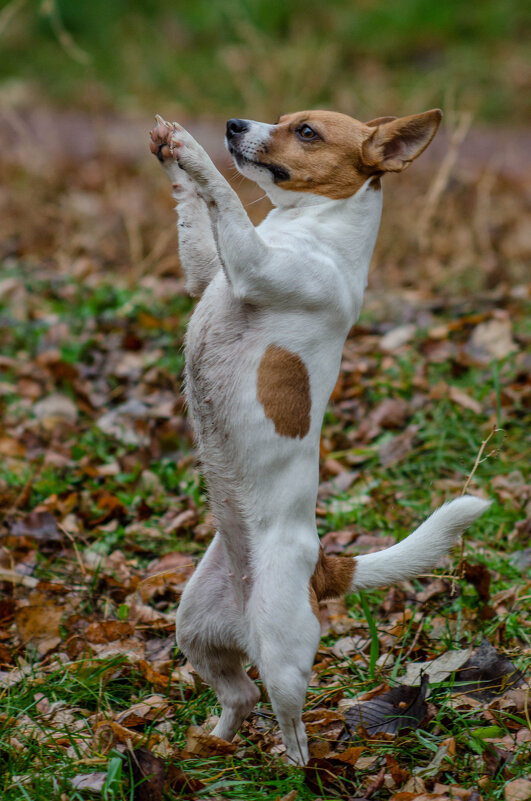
255, 201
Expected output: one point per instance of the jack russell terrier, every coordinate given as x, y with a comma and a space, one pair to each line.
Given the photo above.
263, 351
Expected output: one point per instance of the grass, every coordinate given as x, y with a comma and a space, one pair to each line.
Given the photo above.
80, 317
447, 442
208, 58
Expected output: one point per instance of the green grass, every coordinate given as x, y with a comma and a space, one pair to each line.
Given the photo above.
216, 58
390, 500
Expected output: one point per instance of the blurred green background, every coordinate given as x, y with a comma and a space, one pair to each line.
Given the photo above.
263, 57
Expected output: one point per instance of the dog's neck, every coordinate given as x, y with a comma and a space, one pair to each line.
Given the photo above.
346, 228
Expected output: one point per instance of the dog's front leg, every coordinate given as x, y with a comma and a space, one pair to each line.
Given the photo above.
241, 251
197, 247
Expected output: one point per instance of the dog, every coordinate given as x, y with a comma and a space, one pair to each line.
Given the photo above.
263, 351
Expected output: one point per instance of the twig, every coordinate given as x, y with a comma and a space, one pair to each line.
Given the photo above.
50, 10
78, 555
171, 572
479, 460
8, 12
415, 638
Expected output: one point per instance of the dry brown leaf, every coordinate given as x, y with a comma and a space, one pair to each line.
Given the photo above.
291, 796
108, 732
172, 569
351, 755
105, 631
391, 413
397, 448
199, 743
517, 790
460, 397
39, 625
152, 707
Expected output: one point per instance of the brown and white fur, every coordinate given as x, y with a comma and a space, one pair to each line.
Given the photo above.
263, 352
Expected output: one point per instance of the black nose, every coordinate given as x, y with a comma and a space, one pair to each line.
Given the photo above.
236, 127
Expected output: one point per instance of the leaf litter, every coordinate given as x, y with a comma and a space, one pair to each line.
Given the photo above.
103, 515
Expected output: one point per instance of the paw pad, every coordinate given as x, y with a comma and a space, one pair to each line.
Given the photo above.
162, 143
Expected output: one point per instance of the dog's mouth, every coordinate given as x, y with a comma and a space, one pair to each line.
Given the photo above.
278, 173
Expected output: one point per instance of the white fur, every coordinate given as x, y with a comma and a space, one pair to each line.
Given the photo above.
422, 549
296, 281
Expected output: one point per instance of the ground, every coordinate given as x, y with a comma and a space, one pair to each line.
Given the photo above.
104, 513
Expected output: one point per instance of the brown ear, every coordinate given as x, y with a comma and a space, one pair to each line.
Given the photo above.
394, 145
380, 121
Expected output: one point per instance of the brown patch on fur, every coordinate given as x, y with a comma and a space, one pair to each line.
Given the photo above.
283, 389
331, 578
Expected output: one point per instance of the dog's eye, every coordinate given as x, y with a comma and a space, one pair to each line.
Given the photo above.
306, 133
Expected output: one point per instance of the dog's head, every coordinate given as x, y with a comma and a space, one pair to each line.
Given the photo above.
327, 153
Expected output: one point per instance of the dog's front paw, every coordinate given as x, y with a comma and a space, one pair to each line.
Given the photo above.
161, 144
173, 145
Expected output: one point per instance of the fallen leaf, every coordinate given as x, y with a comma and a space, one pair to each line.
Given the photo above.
105, 631
437, 669
54, 409
199, 743
391, 413
487, 673
172, 569
351, 755
320, 774
39, 625
149, 774
397, 337
517, 790
399, 775
414, 785
39, 525
89, 781
521, 559
444, 754
492, 340
152, 707
400, 708
346, 646
460, 397
397, 448
108, 732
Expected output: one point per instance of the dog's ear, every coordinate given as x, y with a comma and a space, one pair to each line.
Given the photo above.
394, 144
380, 121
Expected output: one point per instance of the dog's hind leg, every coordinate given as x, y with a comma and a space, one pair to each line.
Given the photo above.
223, 669
284, 639
209, 625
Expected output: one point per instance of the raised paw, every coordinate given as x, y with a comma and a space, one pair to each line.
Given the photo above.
174, 146
162, 143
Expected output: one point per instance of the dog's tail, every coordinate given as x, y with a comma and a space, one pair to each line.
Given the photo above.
419, 552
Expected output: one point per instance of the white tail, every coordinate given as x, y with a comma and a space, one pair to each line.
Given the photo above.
423, 548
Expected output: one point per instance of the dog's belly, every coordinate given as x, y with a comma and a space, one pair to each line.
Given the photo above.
257, 387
